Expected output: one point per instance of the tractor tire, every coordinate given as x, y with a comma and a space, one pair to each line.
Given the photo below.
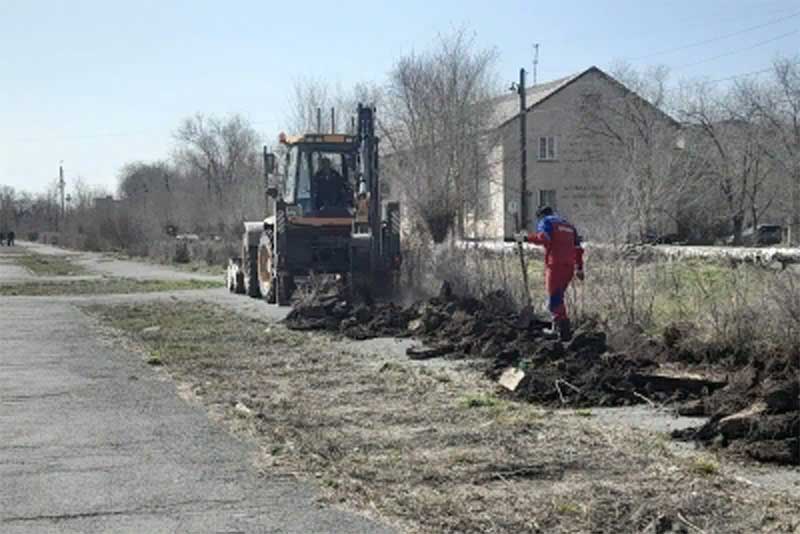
266, 277
238, 287
230, 281
250, 265
284, 289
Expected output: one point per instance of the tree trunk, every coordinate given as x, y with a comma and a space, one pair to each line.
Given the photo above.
794, 217
738, 223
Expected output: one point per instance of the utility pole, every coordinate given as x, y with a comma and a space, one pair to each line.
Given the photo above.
523, 151
535, 61
61, 186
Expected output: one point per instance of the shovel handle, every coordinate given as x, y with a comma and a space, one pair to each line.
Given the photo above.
521, 252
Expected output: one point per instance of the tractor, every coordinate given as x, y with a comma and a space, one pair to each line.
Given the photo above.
325, 217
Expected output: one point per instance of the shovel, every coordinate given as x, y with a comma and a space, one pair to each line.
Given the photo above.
526, 314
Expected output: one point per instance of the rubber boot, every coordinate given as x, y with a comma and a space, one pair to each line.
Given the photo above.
552, 332
564, 328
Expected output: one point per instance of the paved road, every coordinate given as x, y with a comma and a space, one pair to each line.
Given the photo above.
102, 264
93, 440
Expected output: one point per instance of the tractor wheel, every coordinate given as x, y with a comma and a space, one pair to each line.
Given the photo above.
230, 279
250, 266
239, 283
266, 276
285, 288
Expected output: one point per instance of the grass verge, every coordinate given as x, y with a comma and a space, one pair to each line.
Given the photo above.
42, 265
102, 286
194, 266
395, 439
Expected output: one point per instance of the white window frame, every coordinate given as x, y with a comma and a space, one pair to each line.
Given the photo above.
550, 145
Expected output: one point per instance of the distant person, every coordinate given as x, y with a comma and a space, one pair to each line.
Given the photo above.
563, 259
330, 187
11, 237
2, 238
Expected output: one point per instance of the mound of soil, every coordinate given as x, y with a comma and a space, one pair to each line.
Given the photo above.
581, 372
757, 413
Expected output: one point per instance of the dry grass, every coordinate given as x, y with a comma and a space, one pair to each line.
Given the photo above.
101, 286
43, 265
734, 305
433, 448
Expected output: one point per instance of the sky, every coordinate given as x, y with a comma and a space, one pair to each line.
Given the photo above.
101, 83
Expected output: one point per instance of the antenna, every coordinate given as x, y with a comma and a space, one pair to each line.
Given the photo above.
535, 61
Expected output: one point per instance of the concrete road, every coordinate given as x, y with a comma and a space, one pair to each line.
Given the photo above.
93, 440
103, 264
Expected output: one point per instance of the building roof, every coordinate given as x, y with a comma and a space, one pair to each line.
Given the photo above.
507, 106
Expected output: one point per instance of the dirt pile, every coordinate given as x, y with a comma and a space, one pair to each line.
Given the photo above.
334, 313
757, 413
580, 372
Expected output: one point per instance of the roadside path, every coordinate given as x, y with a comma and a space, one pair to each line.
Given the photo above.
103, 264
93, 440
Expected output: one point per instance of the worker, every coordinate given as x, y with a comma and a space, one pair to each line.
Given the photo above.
330, 186
563, 260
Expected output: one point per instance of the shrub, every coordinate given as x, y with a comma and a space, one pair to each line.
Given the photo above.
182, 253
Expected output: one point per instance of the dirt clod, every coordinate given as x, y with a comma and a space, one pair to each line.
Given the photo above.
757, 413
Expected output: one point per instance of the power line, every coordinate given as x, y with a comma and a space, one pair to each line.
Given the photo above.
715, 39
737, 76
732, 52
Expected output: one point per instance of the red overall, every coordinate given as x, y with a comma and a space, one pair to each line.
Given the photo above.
563, 256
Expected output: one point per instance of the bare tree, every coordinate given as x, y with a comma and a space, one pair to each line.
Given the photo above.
222, 151
630, 132
313, 98
776, 105
730, 141
439, 103
224, 155
8, 208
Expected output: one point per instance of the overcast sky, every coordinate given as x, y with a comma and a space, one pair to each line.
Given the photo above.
99, 83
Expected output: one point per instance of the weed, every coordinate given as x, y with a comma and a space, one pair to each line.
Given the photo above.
443, 378
42, 265
568, 508
480, 400
704, 465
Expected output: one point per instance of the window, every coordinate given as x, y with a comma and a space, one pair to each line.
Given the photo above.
548, 149
289, 178
547, 197
304, 180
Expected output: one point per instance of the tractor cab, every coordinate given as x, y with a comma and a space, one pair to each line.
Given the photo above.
319, 176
